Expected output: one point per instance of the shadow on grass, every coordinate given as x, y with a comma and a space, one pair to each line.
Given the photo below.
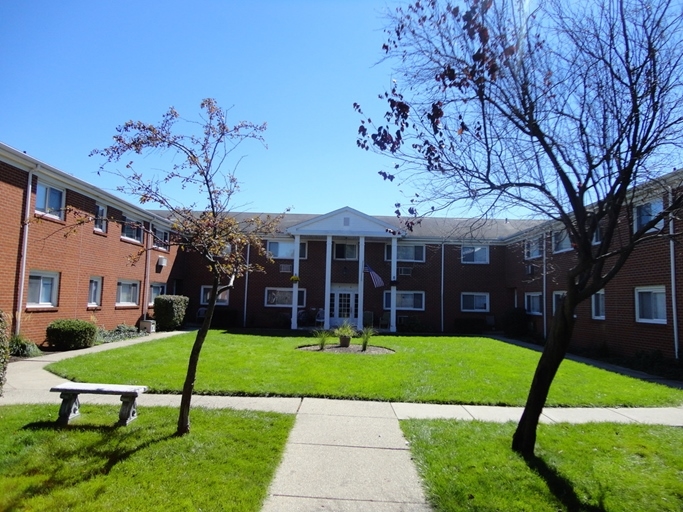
78, 460
560, 486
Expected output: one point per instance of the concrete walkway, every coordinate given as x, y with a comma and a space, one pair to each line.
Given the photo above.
341, 455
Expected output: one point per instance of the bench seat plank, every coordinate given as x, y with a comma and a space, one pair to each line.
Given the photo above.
70, 407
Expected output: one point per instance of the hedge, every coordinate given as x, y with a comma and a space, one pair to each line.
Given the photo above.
169, 311
69, 334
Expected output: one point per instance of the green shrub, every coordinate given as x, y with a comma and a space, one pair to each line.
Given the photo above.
322, 336
120, 332
4, 348
169, 311
69, 334
365, 335
19, 346
515, 322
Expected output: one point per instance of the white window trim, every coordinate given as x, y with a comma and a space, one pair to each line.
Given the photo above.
100, 218
54, 297
475, 294
595, 316
636, 218
220, 301
132, 222
653, 289
557, 293
530, 242
48, 185
533, 294
387, 251
161, 234
400, 308
98, 302
334, 251
120, 282
302, 254
152, 285
474, 247
302, 291
565, 236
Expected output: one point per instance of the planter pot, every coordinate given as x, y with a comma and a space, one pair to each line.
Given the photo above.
344, 341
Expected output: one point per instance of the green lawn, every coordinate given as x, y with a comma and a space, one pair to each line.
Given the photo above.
423, 369
225, 464
469, 466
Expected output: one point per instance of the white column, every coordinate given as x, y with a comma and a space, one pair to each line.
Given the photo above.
295, 284
394, 251
361, 281
328, 281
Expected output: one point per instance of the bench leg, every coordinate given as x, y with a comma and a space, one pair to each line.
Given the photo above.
69, 409
129, 410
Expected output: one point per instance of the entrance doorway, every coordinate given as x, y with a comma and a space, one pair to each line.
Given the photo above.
343, 304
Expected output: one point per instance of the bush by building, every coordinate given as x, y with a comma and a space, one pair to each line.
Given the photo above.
69, 334
169, 311
4, 349
20, 346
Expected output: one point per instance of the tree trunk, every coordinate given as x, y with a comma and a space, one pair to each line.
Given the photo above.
188, 387
524, 438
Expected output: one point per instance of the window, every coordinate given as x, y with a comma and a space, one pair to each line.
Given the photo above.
156, 289
345, 251
127, 293
285, 250
597, 235
534, 303
95, 291
43, 288
405, 252
651, 305
598, 305
478, 254
646, 212
222, 300
50, 200
282, 297
474, 302
161, 238
132, 230
557, 300
561, 241
405, 300
100, 222
533, 248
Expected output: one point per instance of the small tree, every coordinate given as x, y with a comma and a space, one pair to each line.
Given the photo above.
571, 112
212, 232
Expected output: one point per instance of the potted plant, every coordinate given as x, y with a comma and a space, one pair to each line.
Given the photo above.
345, 331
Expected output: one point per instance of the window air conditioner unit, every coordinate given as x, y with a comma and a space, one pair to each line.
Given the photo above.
162, 261
286, 268
530, 270
405, 271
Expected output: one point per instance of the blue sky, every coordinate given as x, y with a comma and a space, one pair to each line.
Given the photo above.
74, 70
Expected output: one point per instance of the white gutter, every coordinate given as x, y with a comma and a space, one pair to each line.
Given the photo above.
145, 279
545, 291
24, 255
674, 302
246, 288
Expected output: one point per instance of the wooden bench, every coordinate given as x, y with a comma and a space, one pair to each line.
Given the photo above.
70, 407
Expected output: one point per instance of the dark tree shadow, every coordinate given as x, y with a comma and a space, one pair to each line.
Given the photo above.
560, 486
108, 453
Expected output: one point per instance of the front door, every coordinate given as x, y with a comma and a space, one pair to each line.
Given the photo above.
343, 304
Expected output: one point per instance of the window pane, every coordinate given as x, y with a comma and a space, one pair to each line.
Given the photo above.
46, 290
34, 289
41, 197
55, 200
645, 305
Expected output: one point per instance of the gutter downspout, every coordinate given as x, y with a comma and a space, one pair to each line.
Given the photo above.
145, 282
442, 283
246, 288
674, 302
545, 294
24, 256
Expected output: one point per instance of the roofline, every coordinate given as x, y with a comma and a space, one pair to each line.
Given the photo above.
27, 163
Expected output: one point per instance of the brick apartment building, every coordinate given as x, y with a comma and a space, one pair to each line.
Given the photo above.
443, 277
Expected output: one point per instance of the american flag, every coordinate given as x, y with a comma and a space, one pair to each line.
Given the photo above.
376, 280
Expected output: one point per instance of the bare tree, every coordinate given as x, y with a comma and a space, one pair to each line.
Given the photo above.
570, 111
210, 230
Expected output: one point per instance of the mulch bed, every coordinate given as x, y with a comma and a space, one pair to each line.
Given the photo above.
351, 349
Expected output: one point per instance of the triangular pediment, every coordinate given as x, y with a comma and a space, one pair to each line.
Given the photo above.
344, 222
